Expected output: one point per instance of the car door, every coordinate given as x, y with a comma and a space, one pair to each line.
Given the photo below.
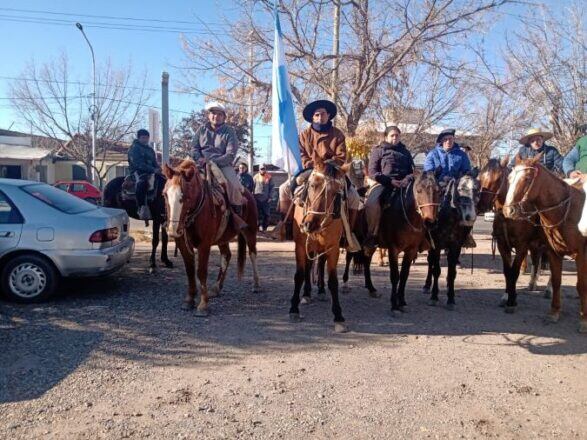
11, 222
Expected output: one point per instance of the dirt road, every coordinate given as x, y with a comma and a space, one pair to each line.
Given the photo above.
117, 358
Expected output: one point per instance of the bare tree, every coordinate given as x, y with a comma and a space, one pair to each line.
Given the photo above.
377, 39
47, 99
548, 58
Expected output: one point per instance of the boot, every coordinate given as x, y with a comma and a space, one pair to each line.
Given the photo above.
237, 222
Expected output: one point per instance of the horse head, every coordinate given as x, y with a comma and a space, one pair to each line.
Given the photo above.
357, 173
427, 196
181, 192
464, 196
522, 189
493, 180
325, 183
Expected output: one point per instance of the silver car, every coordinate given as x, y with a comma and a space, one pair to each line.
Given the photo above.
46, 234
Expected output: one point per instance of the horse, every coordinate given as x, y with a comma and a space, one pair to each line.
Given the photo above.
113, 199
403, 228
510, 234
535, 191
454, 223
197, 221
317, 230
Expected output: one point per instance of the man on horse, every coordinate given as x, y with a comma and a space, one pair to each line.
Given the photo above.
321, 140
216, 143
575, 162
392, 167
143, 165
533, 143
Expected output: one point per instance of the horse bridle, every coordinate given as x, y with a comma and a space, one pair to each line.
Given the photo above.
191, 216
502, 180
418, 207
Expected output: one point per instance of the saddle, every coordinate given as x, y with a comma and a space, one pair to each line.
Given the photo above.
300, 197
129, 188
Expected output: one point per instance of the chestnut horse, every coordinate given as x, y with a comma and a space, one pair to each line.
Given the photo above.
403, 228
195, 221
317, 229
511, 234
536, 191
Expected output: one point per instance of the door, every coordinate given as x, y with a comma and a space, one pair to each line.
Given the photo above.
10, 224
11, 171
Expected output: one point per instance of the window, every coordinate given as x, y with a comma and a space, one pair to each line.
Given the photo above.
78, 173
8, 212
43, 173
122, 171
58, 199
78, 187
11, 171
62, 186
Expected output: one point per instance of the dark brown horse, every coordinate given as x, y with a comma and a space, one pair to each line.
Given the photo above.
403, 228
519, 235
196, 221
317, 229
536, 191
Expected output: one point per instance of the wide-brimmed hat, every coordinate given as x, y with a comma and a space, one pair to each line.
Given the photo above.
443, 133
309, 110
535, 132
215, 106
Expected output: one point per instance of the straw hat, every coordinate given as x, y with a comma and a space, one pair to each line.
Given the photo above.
535, 132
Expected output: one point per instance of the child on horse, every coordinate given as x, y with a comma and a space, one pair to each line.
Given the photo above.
142, 163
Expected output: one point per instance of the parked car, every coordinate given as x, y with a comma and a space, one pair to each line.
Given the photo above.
47, 234
82, 189
489, 216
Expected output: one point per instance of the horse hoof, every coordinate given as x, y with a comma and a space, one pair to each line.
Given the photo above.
345, 288
187, 306
374, 294
509, 309
295, 317
450, 307
256, 289
403, 309
322, 297
583, 327
214, 292
168, 264
395, 313
339, 327
426, 290
201, 313
432, 302
306, 300
503, 303
152, 269
553, 317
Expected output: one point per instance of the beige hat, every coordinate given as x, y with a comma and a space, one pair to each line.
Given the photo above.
535, 132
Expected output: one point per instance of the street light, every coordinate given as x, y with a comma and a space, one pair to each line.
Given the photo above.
94, 109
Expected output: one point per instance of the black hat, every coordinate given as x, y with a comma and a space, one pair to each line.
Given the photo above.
142, 132
443, 133
309, 110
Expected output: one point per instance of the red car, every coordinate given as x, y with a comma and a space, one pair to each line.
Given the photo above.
82, 189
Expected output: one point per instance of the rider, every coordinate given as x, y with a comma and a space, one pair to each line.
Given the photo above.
321, 140
533, 144
391, 166
143, 165
216, 143
575, 162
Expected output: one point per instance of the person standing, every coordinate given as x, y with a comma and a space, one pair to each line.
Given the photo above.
263, 188
245, 178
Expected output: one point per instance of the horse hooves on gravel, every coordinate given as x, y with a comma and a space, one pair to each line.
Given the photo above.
168, 264
187, 306
213, 292
295, 317
306, 300
426, 290
256, 289
153, 269
322, 297
553, 317
432, 302
201, 313
340, 327
451, 307
374, 294
583, 327
509, 309
548, 293
345, 288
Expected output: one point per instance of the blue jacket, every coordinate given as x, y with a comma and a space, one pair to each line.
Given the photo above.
551, 158
454, 163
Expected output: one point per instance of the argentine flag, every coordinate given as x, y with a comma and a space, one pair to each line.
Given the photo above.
285, 151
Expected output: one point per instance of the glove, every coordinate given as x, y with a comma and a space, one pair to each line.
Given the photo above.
383, 180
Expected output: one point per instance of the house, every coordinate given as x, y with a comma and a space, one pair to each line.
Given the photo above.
20, 158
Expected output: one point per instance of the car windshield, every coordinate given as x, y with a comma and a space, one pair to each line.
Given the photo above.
58, 199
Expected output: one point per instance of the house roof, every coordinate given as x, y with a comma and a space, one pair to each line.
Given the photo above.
23, 153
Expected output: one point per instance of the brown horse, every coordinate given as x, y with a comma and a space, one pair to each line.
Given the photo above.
403, 228
511, 234
197, 222
317, 229
536, 191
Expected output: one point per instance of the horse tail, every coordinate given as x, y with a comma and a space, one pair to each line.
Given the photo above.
241, 255
358, 263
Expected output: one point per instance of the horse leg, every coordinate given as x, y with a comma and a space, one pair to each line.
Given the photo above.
534, 273
453, 259
434, 274
506, 258
203, 258
409, 256
331, 262
321, 283
581, 263
307, 296
428, 282
164, 243
301, 263
514, 274
394, 278
251, 237
225, 256
190, 271
345, 275
154, 244
556, 269
368, 282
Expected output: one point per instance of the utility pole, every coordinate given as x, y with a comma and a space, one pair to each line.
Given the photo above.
251, 107
335, 51
165, 116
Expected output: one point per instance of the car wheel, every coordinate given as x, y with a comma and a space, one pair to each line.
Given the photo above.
28, 279
91, 200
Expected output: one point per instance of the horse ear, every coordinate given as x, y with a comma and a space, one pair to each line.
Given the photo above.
188, 173
168, 171
536, 159
474, 172
505, 161
518, 159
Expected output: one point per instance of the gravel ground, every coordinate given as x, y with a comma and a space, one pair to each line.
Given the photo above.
117, 358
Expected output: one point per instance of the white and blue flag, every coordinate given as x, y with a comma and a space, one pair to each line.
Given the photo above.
285, 151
